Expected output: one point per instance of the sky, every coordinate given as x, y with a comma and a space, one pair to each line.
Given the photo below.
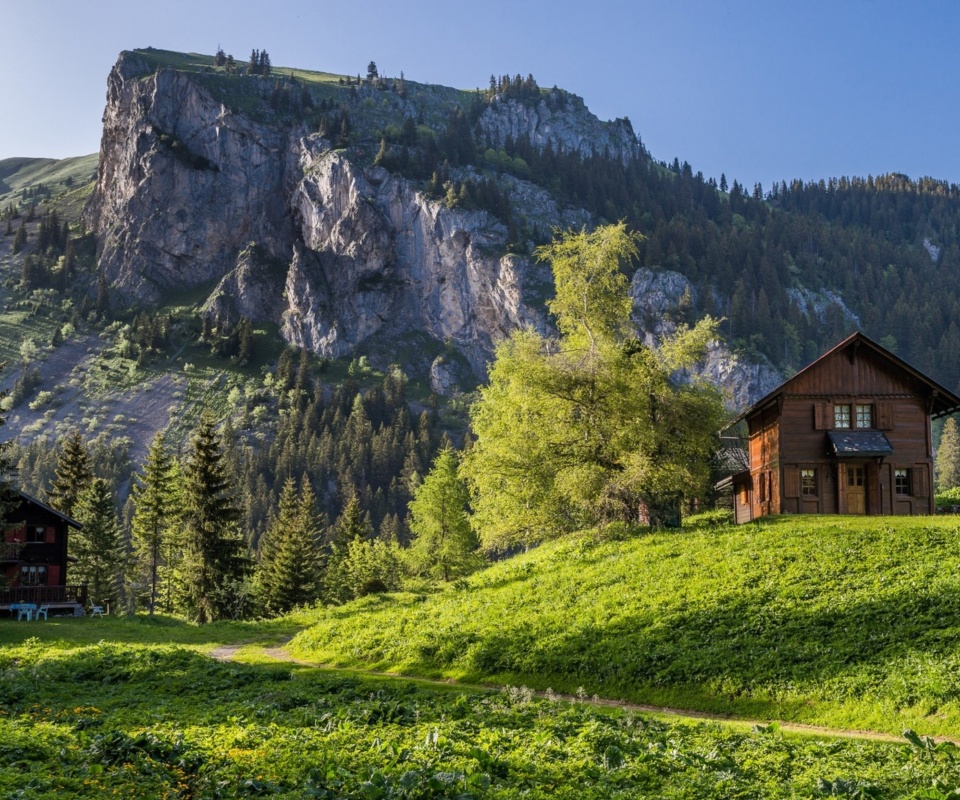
760, 91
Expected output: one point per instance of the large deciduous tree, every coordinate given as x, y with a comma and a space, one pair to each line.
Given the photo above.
593, 426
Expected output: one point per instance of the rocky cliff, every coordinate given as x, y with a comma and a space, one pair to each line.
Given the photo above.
336, 252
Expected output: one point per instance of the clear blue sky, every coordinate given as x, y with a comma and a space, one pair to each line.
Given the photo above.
763, 90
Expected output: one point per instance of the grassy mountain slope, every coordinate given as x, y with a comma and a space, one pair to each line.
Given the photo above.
68, 180
133, 708
846, 622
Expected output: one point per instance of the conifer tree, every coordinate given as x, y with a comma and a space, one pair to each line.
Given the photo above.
214, 559
73, 474
352, 525
156, 508
96, 547
290, 566
948, 456
445, 545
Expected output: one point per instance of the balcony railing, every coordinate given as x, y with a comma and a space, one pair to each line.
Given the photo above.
10, 552
44, 595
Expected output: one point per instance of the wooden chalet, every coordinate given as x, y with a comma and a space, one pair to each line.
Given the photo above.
33, 558
848, 434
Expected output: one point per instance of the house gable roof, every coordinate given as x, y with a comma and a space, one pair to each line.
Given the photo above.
24, 497
943, 400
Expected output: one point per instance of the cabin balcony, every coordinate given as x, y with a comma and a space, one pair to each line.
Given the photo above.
10, 552
54, 596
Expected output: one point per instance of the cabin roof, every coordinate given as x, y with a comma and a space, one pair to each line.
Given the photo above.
69, 520
944, 401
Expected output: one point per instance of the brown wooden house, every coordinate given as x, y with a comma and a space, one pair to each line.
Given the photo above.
848, 434
33, 557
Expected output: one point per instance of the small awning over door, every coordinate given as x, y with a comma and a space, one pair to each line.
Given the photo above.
859, 444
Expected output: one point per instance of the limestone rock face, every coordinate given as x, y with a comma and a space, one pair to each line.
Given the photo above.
340, 256
184, 184
566, 125
658, 297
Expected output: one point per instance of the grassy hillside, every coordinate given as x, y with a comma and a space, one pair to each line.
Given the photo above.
134, 708
69, 181
836, 621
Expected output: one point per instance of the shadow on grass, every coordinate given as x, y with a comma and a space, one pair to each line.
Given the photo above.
142, 629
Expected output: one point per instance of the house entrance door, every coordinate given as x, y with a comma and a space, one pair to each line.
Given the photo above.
856, 494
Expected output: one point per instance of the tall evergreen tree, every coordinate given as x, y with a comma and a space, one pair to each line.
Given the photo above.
290, 567
214, 558
156, 508
96, 547
445, 545
948, 456
73, 474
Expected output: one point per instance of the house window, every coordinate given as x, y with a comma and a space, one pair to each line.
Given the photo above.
33, 576
901, 481
808, 482
841, 416
864, 416
36, 533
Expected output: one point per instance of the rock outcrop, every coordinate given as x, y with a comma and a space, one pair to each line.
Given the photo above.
338, 255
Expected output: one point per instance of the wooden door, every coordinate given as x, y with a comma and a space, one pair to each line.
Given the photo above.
856, 491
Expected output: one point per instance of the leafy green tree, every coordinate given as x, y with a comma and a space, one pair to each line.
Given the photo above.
445, 545
948, 456
214, 561
156, 510
97, 547
73, 474
290, 566
593, 427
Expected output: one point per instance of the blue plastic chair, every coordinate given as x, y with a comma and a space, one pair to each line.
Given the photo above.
26, 610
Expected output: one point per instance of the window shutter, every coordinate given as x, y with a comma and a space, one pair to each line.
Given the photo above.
919, 475
885, 416
50, 535
791, 482
841, 488
823, 416
53, 575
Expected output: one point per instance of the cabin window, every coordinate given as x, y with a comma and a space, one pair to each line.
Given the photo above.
901, 481
808, 482
864, 416
36, 533
841, 416
33, 575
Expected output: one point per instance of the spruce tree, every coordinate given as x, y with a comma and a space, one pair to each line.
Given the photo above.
155, 511
96, 547
948, 456
73, 474
289, 571
214, 559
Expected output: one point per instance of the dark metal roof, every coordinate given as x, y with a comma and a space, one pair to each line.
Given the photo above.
859, 444
944, 401
69, 520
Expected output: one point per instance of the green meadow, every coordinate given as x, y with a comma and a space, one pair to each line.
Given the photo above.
844, 622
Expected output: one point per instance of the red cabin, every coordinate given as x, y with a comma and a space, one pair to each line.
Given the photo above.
33, 558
